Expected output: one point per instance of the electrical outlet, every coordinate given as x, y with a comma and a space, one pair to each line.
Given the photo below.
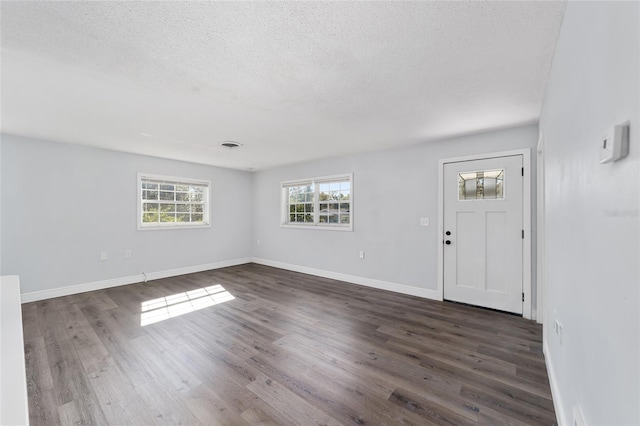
103, 256
361, 254
127, 253
424, 221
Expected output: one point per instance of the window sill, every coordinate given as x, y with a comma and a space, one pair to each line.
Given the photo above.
319, 227
169, 227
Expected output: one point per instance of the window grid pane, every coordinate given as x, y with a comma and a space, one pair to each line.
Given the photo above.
172, 202
326, 202
300, 203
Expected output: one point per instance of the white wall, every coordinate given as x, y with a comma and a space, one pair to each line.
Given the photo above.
392, 190
64, 204
14, 408
592, 221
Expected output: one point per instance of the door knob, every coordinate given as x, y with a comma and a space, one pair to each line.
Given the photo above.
448, 232
447, 242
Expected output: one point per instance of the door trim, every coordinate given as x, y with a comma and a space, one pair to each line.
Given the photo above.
540, 237
526, 220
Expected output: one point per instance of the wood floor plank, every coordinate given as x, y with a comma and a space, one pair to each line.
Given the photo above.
39, 381
464, 358
165, 407
256, 416
70, 381
330, 366
169, 370
432, 412
31, 324
280, 347
295, 409
371, 407
210, 408
504, 403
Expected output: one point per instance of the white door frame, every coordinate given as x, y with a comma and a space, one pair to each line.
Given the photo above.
540, 238
526, 220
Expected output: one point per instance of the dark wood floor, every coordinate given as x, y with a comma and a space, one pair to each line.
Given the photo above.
268, 346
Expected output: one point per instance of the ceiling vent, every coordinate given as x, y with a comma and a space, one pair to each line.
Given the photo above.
230, 144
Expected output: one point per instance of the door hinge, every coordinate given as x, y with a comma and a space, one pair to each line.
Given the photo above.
523, 234
523, 296
523, 171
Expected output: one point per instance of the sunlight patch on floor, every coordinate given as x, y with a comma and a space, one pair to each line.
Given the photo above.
157, 310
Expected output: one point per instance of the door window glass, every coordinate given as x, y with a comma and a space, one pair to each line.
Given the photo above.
482, 185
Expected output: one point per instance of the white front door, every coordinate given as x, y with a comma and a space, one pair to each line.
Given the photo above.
483, 232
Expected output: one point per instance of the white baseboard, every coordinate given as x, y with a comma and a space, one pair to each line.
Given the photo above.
196, 268
79, 288
368, 282
553, 382
132, 279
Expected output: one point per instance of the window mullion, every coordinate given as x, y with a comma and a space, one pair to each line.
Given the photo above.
175, 202
316, 203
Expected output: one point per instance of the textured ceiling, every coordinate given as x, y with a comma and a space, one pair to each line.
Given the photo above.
292, 81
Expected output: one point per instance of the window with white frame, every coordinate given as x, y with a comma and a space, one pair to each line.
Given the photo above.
172, 202
324, 202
